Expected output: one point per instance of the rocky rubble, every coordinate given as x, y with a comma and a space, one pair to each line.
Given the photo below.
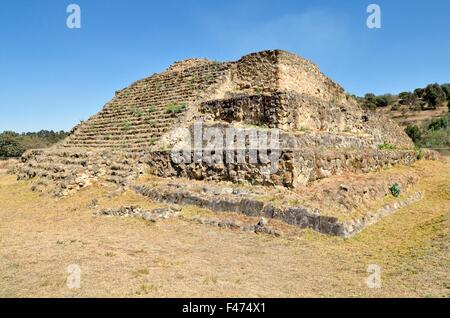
138, 212
260, 227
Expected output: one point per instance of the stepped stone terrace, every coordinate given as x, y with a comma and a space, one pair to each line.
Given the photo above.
327, 144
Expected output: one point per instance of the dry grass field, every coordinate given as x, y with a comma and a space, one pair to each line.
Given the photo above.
40, 236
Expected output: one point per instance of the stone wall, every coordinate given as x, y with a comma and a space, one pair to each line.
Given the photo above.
296, 74
300, 215
256, 72
248, 109
298, 112
293, 168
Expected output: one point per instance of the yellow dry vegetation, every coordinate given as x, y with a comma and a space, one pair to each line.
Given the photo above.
40, 236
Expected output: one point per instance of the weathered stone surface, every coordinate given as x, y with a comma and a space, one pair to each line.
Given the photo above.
294, 167
323, 134
298, 215
260, 227
135, 211
271, 89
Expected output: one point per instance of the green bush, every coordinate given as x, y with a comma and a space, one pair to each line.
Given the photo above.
413, 132
440, 123
10, 145
384, 100
407, 98
395, 190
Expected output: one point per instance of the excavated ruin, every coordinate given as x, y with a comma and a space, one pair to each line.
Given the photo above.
327, 144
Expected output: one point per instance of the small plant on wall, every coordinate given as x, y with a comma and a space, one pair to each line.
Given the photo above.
136, 112
127, 125
175, 108
395, 190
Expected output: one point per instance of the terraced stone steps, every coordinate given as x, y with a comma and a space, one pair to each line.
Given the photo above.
293, 167
139, 115
329, 206
72, 169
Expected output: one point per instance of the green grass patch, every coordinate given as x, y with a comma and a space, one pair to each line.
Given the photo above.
136, 112
175, 108
127, 125
386, 146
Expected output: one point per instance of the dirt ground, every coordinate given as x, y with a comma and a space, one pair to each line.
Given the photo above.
40, 236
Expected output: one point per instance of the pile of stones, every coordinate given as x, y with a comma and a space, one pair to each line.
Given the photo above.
138, 212
260, 227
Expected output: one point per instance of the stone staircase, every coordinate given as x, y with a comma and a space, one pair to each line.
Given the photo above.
139, 115
111, 144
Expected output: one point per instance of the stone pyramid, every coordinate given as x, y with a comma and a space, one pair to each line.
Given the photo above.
323, 131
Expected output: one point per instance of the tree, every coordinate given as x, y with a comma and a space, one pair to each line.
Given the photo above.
434, 95
10, 145
369, 101
407, 98
446, 89
384, 100
419, 92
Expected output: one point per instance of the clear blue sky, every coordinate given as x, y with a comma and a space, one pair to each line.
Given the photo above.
51, 77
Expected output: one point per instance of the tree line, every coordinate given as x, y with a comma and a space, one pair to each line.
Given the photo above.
430, 97
13, 144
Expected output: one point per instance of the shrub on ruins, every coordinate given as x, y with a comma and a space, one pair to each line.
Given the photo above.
395, 190
136, 112
419, 152
413, 132
127, 125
